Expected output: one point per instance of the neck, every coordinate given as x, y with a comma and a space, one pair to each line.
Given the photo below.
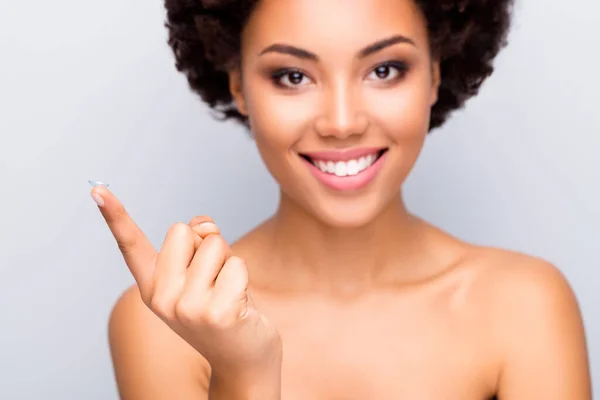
309, 255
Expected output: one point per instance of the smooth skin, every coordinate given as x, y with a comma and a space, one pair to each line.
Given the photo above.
339, 295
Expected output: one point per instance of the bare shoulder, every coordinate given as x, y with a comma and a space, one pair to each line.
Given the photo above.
537, 324
151, 361
524, 279
519, 288
514, 284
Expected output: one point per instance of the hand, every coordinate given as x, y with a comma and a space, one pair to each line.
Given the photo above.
198, 288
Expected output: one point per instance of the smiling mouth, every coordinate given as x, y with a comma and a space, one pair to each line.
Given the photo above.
342, 168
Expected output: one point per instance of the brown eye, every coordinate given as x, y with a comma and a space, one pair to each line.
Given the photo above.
295, 78
382, 72
388, 72
290, 78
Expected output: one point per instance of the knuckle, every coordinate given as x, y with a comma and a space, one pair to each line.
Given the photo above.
160, 306
194, 314
216, 243
187, 311
126, 245
238, 265
236, 261
146, 298
180, 232
179, 229
217, 318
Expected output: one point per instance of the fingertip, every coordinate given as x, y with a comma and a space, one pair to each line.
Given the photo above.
105, 200
205, 229
98, 199
181, 231
100, 195
98, 187
100, 190
111, 208
200, 219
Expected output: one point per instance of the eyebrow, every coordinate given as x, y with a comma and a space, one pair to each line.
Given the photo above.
363, 53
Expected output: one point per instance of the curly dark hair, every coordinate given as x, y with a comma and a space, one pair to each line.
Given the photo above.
464, 35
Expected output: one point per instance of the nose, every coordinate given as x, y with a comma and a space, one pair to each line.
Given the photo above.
342, 115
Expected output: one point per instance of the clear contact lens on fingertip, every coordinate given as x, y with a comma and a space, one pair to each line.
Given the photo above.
98, 183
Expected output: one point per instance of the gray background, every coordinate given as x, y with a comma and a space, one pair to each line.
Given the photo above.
88, 91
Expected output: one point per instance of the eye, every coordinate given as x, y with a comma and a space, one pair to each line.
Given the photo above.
388, 72
289, 78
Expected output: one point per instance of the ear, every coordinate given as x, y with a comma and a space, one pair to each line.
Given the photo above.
236, 90
436, 80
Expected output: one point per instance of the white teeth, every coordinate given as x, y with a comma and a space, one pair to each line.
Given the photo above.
346, 168
352, 167
341, 168
362, 163
330, 167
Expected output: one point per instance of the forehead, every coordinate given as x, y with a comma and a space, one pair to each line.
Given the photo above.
329, 24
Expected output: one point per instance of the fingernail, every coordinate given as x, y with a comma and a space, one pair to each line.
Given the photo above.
206, 228
209, 224
98, 183
98, 199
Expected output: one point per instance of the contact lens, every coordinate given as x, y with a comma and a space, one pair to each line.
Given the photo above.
98, 183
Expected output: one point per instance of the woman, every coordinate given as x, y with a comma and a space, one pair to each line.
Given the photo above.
342, 293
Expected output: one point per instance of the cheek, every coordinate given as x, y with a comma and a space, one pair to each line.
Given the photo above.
279, 119
278, 123
402, 112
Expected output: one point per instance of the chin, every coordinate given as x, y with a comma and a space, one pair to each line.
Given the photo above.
348, 213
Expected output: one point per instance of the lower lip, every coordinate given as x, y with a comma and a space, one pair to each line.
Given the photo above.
349, 182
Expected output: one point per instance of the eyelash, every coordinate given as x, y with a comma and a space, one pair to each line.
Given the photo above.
400, 67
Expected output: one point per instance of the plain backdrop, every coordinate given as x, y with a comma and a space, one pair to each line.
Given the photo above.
88, 90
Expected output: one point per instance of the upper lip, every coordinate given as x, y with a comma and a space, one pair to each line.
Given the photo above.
342, 155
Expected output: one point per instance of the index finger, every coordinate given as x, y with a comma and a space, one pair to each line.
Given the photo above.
139, 254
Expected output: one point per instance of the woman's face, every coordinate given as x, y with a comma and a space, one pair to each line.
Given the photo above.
338, 96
